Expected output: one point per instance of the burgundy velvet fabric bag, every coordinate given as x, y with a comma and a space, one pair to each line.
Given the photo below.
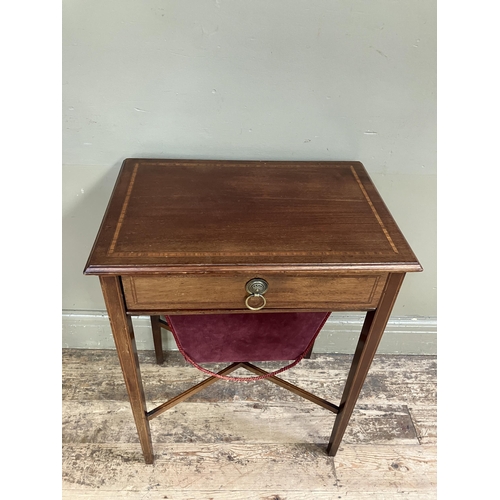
210, 338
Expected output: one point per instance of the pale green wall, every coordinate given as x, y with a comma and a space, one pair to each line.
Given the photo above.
247, 79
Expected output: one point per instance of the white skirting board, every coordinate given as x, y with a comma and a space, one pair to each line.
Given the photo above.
403, 335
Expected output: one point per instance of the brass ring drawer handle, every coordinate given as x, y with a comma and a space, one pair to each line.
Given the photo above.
256, 287
255, 308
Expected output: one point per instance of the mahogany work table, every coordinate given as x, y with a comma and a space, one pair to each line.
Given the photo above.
186, 236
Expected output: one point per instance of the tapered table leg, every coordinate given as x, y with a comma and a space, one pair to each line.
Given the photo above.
371, 334
123, 333
155, 326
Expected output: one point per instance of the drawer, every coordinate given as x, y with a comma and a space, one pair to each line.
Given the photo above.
227, 292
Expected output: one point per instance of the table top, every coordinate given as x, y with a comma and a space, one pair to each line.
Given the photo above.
202, 216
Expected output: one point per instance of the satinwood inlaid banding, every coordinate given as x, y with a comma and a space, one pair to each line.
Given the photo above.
124, 210
374, 210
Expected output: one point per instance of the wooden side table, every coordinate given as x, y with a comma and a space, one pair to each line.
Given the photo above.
184, 237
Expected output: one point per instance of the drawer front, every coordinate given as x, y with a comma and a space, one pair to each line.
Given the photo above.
226, 292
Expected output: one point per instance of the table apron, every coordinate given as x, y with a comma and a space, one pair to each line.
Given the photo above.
191, 293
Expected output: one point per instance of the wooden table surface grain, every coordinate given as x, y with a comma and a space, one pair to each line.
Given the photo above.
215, 215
